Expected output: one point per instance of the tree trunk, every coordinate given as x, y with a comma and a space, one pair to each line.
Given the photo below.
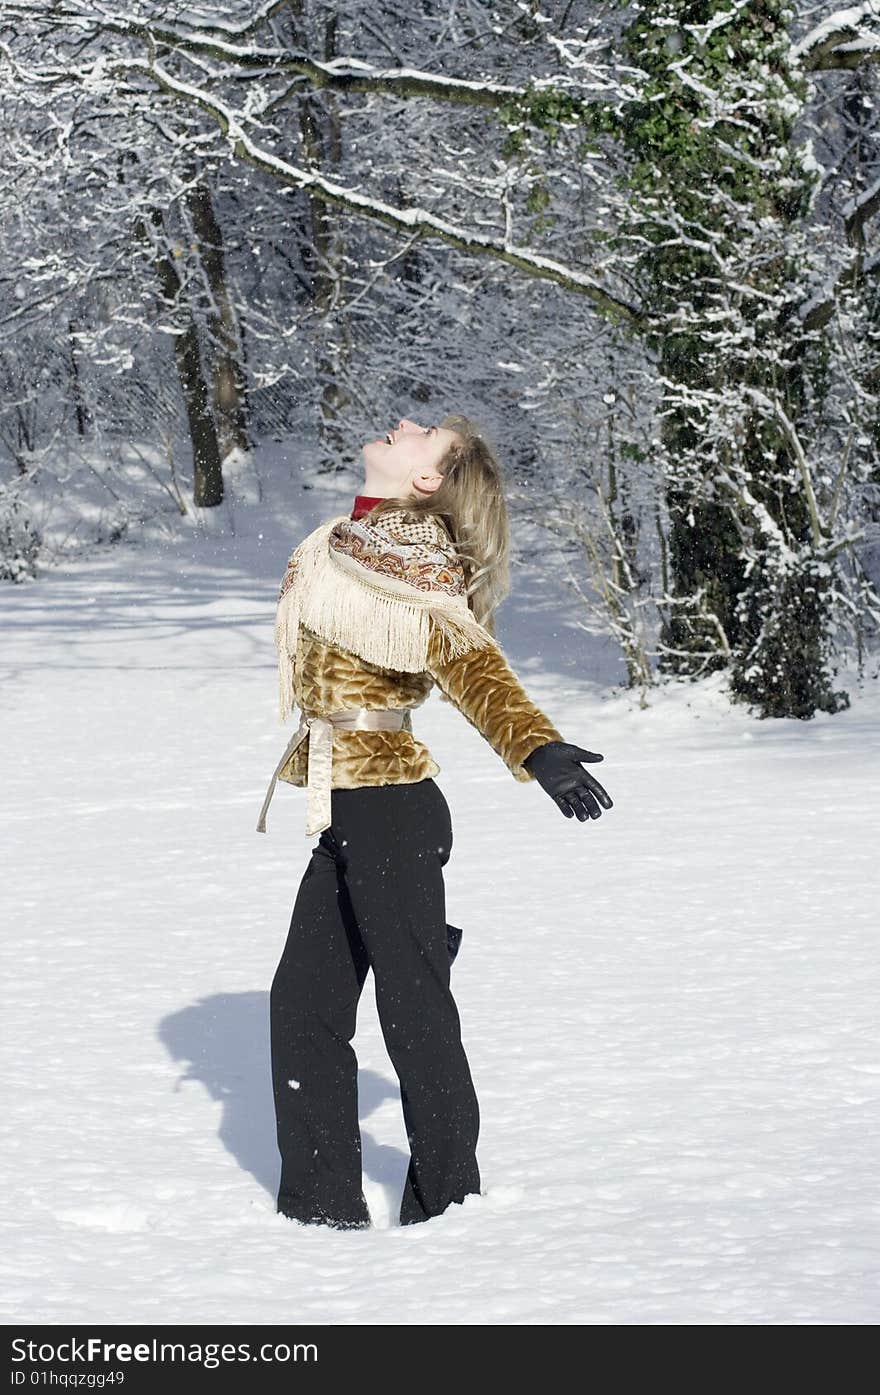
228, 389
207, 465
81, 408
774, 617
703, 545
321, 135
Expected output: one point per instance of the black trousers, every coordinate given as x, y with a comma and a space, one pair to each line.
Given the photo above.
372, 896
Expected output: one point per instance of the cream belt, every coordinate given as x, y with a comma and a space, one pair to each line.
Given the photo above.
321, 755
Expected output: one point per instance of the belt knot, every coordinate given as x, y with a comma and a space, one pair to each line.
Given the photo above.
319, 729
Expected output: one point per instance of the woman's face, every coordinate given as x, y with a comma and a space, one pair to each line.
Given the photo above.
406, 461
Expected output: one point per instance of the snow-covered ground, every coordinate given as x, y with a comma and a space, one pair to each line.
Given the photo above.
670, 1014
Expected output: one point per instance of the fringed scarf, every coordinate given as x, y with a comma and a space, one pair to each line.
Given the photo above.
374, 589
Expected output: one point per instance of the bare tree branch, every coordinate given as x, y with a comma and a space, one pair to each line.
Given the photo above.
409, 220
345, 74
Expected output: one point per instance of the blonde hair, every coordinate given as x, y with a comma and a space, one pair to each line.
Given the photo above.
471, 506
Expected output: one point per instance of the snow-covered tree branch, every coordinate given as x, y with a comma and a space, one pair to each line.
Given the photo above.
845, 39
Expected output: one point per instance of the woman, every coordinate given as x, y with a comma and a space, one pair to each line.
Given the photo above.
377, 606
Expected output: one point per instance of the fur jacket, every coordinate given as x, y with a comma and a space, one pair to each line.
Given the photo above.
373, 614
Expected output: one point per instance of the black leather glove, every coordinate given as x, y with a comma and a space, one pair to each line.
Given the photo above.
556, 766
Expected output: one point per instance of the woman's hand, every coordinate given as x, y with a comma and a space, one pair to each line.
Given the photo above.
556, 766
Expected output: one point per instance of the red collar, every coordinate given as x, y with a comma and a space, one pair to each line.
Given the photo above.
362, 504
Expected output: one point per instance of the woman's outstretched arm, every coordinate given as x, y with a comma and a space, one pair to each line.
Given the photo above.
485, 689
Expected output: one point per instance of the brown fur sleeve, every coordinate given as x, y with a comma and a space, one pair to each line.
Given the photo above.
484, 687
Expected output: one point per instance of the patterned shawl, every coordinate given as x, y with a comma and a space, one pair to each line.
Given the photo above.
375, 589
